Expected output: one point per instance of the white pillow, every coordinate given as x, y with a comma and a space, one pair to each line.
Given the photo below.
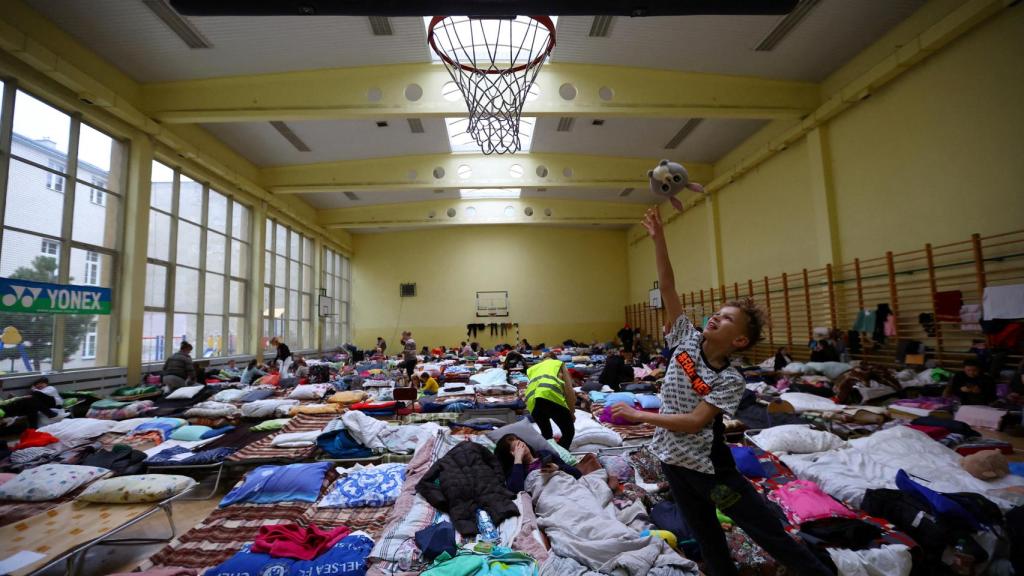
803, 402
140, 488
308, 392
265, 408
229, 395
48, 482
185, 392
797, 439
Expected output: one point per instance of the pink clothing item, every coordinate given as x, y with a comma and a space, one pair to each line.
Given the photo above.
294, 541
607, 416
162, 571
804, 501
890, 326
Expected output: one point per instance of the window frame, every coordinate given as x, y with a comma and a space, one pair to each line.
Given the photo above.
59, 177
207, 324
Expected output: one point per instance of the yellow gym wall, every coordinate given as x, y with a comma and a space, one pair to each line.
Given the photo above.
934, 156
938, 155
688, 240
562, 283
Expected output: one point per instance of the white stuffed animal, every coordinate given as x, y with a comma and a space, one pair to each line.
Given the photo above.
668, 179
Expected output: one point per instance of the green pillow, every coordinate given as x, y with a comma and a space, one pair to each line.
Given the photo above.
270, 425
107, 403
564, 454
189, 433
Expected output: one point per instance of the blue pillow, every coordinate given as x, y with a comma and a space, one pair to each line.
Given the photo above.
214, 432
271, 484
615, 397
648, 401
747, 462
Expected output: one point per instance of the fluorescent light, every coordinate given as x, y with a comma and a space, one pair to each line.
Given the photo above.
461, 141
488, 193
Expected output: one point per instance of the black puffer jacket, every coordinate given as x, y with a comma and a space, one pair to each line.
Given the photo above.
467, 478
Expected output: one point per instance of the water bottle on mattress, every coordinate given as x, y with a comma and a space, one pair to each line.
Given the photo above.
488, 531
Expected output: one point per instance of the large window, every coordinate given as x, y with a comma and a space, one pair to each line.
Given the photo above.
197, 271
336, 284
288, 287
53, 230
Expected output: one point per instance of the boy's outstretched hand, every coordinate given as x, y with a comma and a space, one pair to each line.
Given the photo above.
652, 222
625, 412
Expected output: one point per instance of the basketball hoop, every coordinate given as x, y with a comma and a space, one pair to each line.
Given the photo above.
494, 62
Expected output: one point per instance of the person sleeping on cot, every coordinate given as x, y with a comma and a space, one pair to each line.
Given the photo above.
517, 460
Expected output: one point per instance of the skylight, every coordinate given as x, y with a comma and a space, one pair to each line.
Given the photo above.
490, 28
488, 193
462, 142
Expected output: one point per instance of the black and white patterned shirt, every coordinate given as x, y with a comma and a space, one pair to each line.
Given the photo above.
688, 381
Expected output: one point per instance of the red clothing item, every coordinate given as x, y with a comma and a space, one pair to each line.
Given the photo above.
32, 438
936, 432
373, 405
294, 541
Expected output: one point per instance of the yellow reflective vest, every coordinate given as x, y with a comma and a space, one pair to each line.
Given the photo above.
545, 382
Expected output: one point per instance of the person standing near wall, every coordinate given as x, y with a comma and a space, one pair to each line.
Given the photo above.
408, 354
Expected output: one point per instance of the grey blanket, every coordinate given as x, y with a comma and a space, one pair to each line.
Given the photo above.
583, 526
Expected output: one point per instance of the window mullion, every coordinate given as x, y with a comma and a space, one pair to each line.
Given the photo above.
226, 298
201, 307
171, 276
6, 137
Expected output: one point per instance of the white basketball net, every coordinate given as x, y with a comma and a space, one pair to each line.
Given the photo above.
494, 63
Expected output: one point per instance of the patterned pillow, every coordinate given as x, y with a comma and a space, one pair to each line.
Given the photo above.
140, 488
374, 486
618, 467
48, 482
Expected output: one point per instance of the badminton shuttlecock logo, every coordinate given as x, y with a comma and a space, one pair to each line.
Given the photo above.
22, 294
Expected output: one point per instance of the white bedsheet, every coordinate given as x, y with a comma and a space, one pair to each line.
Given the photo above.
872, 462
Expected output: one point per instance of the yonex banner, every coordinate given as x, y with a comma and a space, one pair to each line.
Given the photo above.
39, 297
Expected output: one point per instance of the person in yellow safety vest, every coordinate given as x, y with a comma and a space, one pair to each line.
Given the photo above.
549, 396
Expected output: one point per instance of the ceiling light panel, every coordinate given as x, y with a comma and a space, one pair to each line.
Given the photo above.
601, 26
786, 25
381, 26
488, 193
285, 131
685, 131
179, 25
461, 142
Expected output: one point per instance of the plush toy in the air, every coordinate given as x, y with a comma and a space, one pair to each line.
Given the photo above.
668, 179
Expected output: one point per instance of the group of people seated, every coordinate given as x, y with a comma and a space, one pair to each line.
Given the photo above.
180, 370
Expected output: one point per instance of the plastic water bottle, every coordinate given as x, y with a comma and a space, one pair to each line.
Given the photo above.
488, 531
